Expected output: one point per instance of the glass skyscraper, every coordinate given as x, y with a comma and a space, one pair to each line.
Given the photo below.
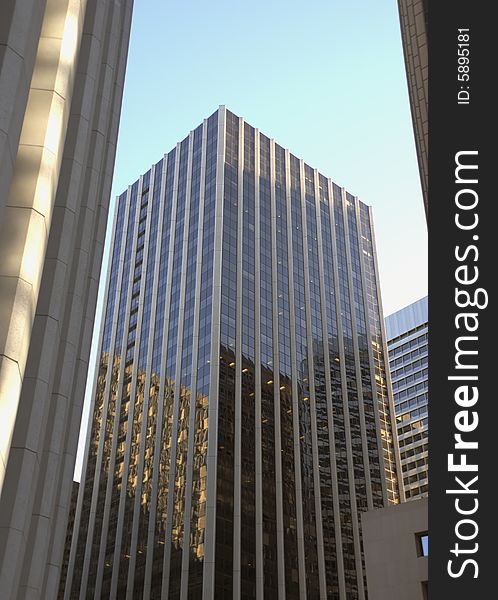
407, 335
241, 416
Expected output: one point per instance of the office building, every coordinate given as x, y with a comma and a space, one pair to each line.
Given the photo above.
241, 416
396, 544
62, 66
413, 17
407, 340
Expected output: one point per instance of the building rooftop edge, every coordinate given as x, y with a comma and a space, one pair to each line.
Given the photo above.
407, 318
225, 108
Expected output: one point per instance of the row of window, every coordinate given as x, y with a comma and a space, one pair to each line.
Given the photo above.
417, 491
415, 343
409, 357
415, 402
422, 423
405, 334
414, 451
405, 381
415, 478
410, 392
408, 416
409, 368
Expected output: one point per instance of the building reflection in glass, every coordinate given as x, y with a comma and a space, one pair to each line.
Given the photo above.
241, 418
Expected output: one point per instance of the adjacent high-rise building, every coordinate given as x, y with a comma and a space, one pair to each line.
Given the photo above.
241, 416
62, 66
413, 16
407, 335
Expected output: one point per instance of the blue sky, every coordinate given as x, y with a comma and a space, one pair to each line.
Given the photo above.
325, 78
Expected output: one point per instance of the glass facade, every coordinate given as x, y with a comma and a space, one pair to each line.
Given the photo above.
407, 334
241, 418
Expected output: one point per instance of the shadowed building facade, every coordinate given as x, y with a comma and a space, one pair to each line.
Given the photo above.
241, 415
62, 67
413, 17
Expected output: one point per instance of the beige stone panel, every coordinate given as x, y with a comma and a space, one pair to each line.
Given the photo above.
12, 76
52, 577
2, 466
96, 157
394, 568
87, 235
11, 71
29, 190
89, 56
30, 415
10, 385
69, 48
76, 185
54, 19
35, 547
107, 87
17, 48
51, 473
6, 163
69, 196
17, 495
55, 273
103, 122
13, 540
66, 377
17, 307
35, 131
21, 25
47, 59
76, 136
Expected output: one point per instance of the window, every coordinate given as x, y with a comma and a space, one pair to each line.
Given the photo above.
423, 544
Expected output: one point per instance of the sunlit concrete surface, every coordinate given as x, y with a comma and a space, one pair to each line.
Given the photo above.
62, 65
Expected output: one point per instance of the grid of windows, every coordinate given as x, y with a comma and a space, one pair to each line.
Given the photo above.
133, 413
303, 429
408, 357
247, 345
199, 467
351, 408
380, 381
266, 392
282, 379
150, 384
328, 391
160, 389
